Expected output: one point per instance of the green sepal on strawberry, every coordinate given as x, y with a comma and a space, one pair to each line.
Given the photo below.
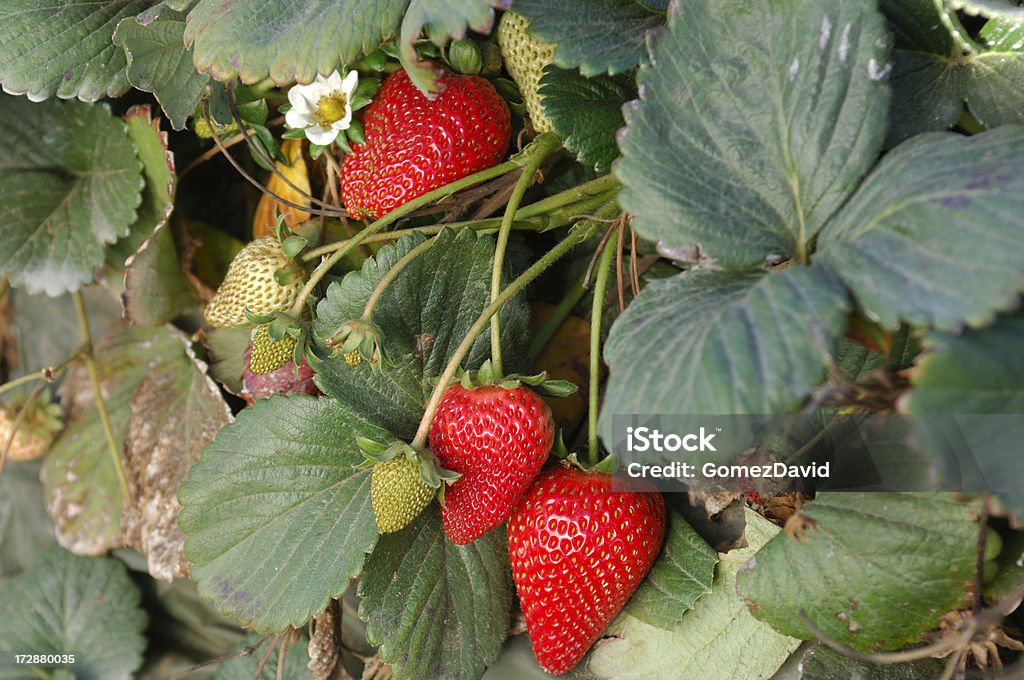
402, 483
415, 144
580, 542
359, 341
497, 436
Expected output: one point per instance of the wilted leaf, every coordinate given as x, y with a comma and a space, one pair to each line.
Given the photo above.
176, 411
82, 492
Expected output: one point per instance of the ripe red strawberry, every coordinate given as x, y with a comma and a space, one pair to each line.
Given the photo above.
498, 440
579, 547
415, 145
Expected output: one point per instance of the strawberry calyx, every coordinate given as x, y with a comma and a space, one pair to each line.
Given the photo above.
540, 383
357, 341
431, 472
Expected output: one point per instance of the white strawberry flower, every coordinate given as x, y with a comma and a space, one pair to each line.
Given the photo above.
323, 108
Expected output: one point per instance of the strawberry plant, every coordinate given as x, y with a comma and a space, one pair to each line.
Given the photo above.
330, 333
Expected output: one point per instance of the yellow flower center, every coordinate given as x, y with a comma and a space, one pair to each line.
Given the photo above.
330, 109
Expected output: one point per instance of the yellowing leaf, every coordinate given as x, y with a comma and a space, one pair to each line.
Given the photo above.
297, 173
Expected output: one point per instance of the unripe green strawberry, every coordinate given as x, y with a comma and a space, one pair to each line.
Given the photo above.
525, 58
398, 493
268, 354
250, 284
35, 433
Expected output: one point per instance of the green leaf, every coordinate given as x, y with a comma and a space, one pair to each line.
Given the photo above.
717, 640
961, 386
82, 492
436, 609
720, 342
244, 668
875, 571
64, 603
175, 411
598, 36
277, 512
69, 184
159, 63
821, 663
297, 38
932, 80
63, 48
442, 19
756, 121
158, 192
1007, 9
586, 112
680, 577
424, 314
25, 528
928, 246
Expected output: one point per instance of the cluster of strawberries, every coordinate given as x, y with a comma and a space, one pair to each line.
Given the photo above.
579, 542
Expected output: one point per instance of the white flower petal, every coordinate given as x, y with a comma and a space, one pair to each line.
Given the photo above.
298, 119
346, 122
333, 81
348, 86
321, 136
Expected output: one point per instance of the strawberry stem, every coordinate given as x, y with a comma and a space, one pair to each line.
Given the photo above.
476, 178
594, 389
392, 273
97, 388
576, 236
536, 152
47, 375
544, 215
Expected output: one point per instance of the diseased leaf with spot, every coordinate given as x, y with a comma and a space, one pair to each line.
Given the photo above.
920, 244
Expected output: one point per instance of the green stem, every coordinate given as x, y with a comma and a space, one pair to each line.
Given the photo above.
48, 374
597, 310
321, 271
101, 405
575, 237
550, 213
5, 285
539, 149
392, 273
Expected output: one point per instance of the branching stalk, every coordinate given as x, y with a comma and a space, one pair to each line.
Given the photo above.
321, 271
596, 315
575, 237
538, 151
97, 388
